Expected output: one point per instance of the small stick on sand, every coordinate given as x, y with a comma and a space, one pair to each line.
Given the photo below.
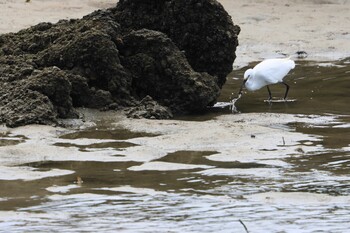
246, 229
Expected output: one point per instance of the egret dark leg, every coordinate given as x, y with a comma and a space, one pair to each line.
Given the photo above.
270, 96
287, 89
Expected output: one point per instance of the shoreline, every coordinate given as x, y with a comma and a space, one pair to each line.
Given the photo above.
255, 166
241, 126
268, 29
230, 136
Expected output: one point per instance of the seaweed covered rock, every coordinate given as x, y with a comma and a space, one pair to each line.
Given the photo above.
150, 109
161, 70
70, 64
21, 106
201, 28
91, 54
177, 53
53, 83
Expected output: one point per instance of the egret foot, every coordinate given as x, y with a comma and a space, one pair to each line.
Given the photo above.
280, 101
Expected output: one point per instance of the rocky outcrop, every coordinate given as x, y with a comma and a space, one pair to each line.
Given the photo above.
150, 109
160, 57
200, 28
160, 69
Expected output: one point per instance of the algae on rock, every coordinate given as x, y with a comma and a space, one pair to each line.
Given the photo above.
175, 52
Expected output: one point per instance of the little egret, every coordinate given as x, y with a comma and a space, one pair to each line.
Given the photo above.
267, 72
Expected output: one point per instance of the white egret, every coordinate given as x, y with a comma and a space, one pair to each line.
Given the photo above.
267, 72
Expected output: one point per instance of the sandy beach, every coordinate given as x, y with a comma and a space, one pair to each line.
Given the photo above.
16, 15
277, 171
268, 28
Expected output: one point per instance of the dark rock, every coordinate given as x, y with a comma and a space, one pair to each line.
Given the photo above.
53, 83
161, 70
21, 106
80, 93
177, 52
201, 28
100, 98
92, 55
148, 108
72, 63
14, 68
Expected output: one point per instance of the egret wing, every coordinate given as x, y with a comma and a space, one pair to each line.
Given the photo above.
273, 70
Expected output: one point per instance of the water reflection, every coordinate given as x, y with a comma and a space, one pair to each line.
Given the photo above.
299, 186
318, 89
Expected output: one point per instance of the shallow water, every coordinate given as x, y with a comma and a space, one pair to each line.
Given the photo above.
318, 88
294, 186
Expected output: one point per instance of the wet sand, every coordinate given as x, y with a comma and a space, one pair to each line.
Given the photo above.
18, 14
290, 179
268, 29
243, 138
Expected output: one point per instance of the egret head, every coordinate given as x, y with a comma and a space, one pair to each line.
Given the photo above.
247, 74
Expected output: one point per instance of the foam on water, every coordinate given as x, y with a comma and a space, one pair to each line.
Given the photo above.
276, 167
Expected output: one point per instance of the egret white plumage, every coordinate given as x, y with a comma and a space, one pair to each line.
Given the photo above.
267, 72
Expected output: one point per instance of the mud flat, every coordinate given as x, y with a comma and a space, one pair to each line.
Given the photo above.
37, 11
251, 166
245, 138
268, 29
